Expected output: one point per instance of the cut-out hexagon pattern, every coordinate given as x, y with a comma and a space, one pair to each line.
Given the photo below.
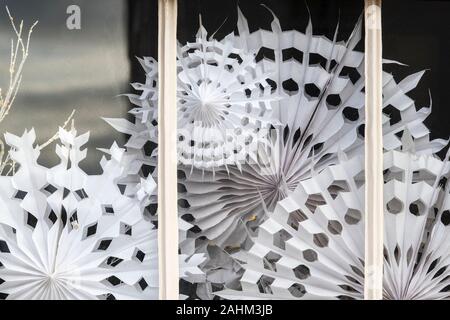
323, 257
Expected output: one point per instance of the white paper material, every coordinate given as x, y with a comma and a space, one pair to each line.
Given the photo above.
67, 235
223, 100
316, 109
143, 129
312, 132
317, 251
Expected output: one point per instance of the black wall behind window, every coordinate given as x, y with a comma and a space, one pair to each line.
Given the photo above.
293, 14
221, 16
142, 34
417, 33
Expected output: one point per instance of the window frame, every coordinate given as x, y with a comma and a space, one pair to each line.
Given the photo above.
167, 164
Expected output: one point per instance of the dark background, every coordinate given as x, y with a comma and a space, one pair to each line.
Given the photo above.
67, 69
142, 34
293, 14
417, 33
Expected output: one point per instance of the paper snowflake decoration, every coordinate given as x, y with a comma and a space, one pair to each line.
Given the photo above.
317, 252
307, 88
321, 109
144, 127
320, 83
141, 145
68, 235
224, 101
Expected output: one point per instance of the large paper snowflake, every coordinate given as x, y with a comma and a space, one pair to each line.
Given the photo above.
223, 102
320, 83
317, 252
321, 109
67, 235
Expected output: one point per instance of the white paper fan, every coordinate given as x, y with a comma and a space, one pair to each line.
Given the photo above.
317, 252
223, 102
315, 127
322, 83
67, 235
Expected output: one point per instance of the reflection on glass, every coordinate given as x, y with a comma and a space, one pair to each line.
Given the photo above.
74, 220
82, 70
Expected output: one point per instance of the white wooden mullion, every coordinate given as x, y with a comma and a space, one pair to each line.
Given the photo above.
167, 152
374, 222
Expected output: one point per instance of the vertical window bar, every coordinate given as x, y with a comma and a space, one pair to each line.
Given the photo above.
373, 273
167, 152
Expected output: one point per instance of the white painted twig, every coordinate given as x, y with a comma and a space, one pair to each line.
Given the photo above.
167, 153
373, 274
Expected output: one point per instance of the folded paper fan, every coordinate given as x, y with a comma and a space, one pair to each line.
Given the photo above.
316, 124
68, 235
224, 101
320, 85
317, 252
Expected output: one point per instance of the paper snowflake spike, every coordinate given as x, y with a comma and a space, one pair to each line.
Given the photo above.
67, 235
143, 129
321, 109
306, 251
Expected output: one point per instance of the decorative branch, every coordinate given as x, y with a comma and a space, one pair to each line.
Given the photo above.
15, 79
19, 52
15, 74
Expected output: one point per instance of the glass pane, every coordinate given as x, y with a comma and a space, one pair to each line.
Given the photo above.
74, 217
271, 120
416, 190
68, 70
